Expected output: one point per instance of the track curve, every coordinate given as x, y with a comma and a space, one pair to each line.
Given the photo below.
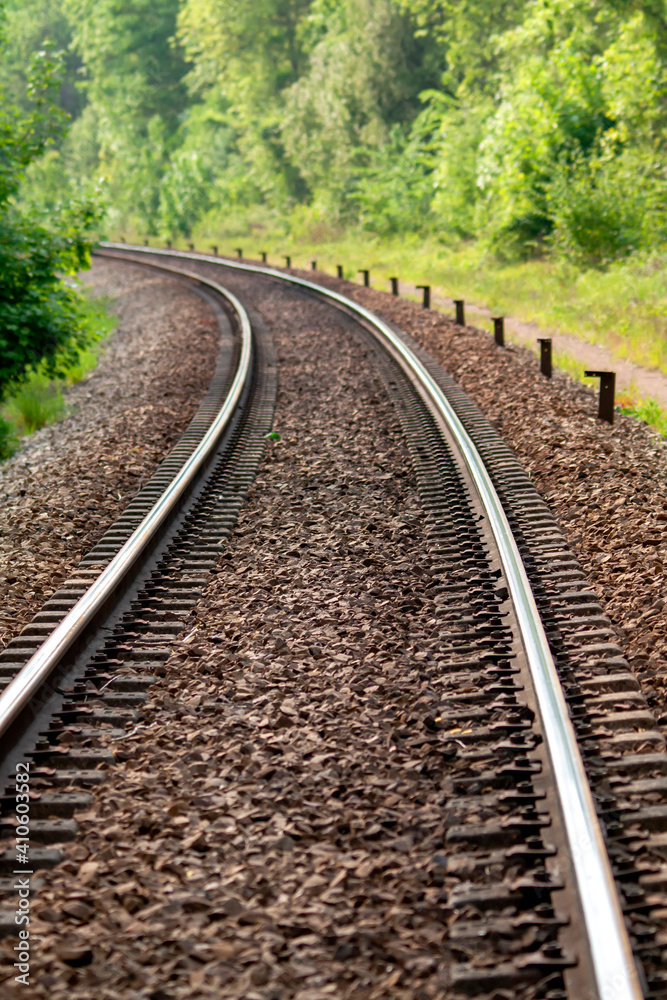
613, 969
522, 716
17, 695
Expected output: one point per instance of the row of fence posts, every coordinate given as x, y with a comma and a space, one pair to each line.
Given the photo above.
607, 379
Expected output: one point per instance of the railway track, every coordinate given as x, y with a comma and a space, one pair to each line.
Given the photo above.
550, 757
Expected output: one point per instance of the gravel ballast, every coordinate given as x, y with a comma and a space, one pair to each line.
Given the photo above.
71, 480
237, 854
265, 835
606, 485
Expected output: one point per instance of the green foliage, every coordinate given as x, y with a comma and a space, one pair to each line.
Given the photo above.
466, 33
28, 24
607, 205
134, 72
36, 403
24, 136
245, 56
8, 439
39, 312
535, 126
458, 130
37, 400
393, 193
348, 116
134, 84
253, 50
551, 108
184, 192
649, 411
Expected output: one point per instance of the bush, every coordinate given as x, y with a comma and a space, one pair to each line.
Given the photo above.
40, 314
37, 399
394, 193
185, 192
606, 206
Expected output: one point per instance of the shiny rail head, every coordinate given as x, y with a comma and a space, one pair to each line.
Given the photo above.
17, 695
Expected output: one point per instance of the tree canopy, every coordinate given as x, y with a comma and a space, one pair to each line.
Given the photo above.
524, 123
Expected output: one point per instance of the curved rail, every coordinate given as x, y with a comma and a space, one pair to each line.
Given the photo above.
30, 678
611, 956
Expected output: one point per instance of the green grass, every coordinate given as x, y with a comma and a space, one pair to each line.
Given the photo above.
101, 323
574, 368
623, 308
647, 410
38, 400
8, 439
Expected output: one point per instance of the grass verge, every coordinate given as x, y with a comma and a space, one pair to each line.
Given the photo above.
646, 410
38, 400
623, 308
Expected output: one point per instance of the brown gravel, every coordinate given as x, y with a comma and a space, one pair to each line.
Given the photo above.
266, 834
273, 830
71, 480
607, 486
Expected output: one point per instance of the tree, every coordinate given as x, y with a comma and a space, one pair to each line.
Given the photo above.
28, 24
40, 317
134, 82
466, 32
245, 56
352, 108
522, 122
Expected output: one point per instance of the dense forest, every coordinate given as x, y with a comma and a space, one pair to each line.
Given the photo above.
531, 125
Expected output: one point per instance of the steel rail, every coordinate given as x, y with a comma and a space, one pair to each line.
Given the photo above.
611, 957
43, 662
